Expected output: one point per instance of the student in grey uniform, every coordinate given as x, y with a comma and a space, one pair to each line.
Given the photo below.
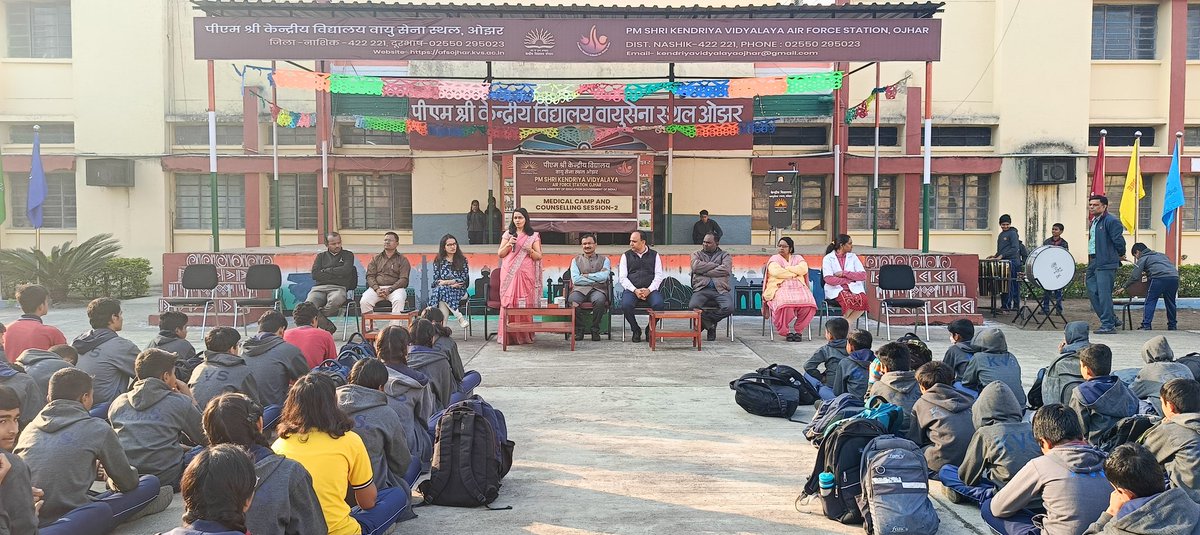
1140, 502
274, 363
222, 369
104, 355
172, 337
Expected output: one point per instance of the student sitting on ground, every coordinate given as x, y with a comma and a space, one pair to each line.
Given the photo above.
1102, 399
898, 385
408, 394
316, 343
1175, 441
828, 356
222, 370
1056, 382
992, 362
218, 488
61, 447
959, 354
467, 381
32, 398
1140, 502
1068, 478
1002, 443
851, 373
172, 337
431, 362
152, 418
40, 364
274, 363
944, 416
316, 433
1160, 368
284, 501
29, 331
376, 424
108, 358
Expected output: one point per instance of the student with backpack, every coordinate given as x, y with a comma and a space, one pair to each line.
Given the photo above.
433, 363
1056, 381
944, 416
222, 370
1175, 441
1159, 369
32, 398
1067, 478
284, 500
40, 364
1001, 444
376, 424
316, 343
467, 381
852, 371
1101, 400
104, 355
897, 386
828, 356
1140, 503
172, 338
154, 416
316, 433
218, 488
274, 363
959, 354
409, 395
992, 362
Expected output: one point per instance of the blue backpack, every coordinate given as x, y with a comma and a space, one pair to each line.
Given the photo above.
890, 416
357, 350
829, 413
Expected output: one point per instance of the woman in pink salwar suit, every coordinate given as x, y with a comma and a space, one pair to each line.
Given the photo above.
520, 271
786, 291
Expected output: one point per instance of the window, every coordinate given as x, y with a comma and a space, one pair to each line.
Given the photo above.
961, 202
294, 136
39, 29
860, 215
376, 202
1190, 212
1120, 136
349, 135
1193, 32
810, 203
63, 133
1124, 32
298, 209
794, 135
1114, 189
197, 134
962, 136
1191, 136
59, 209
193, 202
864, 136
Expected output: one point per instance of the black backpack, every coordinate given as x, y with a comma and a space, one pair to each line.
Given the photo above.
765, 395
1128, 429
469, 459
1192, 361
808, 393
841, 454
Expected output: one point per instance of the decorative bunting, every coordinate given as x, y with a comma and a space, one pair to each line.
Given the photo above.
463, 90
571, 135
604, 91
312, 81
702, 89
635, 92
549, 132
821, 82
399, 87
753, 87
291, 119
555, 93
355, 85
862, 109
512, 92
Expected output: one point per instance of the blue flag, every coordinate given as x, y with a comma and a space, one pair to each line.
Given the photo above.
37, 185
1173, 195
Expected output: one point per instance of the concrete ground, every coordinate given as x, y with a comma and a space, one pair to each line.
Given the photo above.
614, 438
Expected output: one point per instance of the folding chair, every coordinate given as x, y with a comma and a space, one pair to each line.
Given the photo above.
196, 277
900, 278
260, 277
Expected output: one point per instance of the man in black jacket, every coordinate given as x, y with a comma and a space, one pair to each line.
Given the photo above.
705, 225
334, 273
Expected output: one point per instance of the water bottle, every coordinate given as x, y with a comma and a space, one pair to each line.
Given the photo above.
825, 480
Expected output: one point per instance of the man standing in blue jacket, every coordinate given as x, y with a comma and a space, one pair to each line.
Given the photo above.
1106, 249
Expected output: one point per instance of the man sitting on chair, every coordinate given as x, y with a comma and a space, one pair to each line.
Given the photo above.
387, 277
640, 273
589, 280
711, 269
334, 273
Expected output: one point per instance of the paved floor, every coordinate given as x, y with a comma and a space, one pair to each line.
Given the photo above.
614, 438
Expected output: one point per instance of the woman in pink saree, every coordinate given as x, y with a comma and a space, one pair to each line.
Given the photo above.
521, 272
786, 291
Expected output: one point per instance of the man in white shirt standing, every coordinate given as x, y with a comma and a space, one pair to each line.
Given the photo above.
640, 274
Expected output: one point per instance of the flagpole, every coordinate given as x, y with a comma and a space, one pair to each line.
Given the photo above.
875, 186
212, 157
1137, 183
275, 159
37, 226
1179, 213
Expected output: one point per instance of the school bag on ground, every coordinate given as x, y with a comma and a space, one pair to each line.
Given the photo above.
765, 395
837, 409
895, 488
794, 377
893, 418
1192, 361
356, 349
840, 454
470, 457
335, 370
1127, 430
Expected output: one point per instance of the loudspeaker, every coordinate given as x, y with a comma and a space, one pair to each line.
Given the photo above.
111, 172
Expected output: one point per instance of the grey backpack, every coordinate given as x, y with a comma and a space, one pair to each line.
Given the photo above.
895, 488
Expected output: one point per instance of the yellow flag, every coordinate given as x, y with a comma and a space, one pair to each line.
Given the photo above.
1133, 190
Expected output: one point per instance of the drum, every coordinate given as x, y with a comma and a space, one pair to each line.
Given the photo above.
1051, 267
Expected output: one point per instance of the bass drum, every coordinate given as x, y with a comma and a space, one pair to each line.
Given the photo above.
1051, 267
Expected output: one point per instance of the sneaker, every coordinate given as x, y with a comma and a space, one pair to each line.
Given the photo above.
953, 497
463, 322
1105, 330
578, 336
324, 324
157, 505
595, 336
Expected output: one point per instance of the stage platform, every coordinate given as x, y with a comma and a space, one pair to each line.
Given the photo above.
949, 281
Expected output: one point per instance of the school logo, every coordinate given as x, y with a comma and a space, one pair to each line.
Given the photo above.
593, 44
539, 42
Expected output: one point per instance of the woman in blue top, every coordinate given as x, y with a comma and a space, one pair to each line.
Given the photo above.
450, 279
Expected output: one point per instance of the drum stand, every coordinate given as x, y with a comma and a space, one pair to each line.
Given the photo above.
1028, 314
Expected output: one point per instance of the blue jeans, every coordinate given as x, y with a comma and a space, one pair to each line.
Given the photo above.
270, 416
1167, 289
100, 410
628, 301
1012, 299
1099, 283
825, 392
1018, 524
125, 504
391, 506
948, 475
470, 381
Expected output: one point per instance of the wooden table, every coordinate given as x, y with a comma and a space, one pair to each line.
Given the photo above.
534, 326
367, 322
693, 332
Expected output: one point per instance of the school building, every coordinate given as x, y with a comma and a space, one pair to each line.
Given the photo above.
1019, 96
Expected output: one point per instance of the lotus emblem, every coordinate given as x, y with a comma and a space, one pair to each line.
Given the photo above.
539, 39
593, 44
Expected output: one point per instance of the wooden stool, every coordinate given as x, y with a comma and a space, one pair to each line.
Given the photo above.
693, 316
367, 325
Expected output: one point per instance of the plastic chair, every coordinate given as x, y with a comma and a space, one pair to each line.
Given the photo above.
900, 278
259, 277
196, 277
493, 300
